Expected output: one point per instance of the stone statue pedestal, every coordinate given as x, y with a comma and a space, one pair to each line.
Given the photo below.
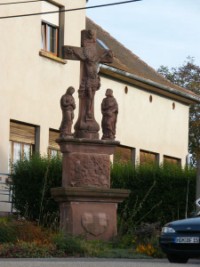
88, 206
90, 212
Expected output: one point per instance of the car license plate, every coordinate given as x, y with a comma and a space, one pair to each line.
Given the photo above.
187, 240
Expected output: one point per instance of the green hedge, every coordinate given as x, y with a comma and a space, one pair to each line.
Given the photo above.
32, 180
158, 193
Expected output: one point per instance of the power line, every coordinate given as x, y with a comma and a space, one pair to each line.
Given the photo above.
20, 2
68, 10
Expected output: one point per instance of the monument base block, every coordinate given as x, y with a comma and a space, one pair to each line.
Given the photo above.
86, 163
90, 212
88, 206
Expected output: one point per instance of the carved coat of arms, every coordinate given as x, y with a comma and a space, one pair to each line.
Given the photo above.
95, 223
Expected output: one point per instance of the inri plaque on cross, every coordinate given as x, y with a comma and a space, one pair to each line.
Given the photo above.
90, 57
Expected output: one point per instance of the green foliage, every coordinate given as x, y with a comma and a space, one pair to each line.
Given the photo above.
27, 250
32, 180
95, 248
8, 233
71, 245
123, 241
78, 246
158, 194
12, 230
32, 241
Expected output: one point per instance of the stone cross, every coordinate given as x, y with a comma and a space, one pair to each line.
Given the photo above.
90, 57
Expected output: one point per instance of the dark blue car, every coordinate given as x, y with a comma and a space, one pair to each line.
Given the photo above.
180, 240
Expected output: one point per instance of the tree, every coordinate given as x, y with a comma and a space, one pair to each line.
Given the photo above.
188, 76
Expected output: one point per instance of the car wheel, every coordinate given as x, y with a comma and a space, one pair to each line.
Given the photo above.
177, 258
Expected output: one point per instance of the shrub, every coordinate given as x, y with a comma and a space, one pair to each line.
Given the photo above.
158, 194
78, 246
32, 180
31, 240
8, 233
13, 230
31, 232
71, 245
23, 249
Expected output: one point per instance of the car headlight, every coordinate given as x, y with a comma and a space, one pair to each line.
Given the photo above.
168, 230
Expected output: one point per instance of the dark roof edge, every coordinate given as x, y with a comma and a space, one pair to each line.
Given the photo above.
192, 97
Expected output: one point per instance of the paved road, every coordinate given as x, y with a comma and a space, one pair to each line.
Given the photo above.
92, 263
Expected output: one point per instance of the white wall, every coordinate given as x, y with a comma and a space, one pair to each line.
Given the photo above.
31, 85
153, 126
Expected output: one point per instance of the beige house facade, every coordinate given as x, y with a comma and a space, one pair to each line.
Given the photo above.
34, 76
153, 113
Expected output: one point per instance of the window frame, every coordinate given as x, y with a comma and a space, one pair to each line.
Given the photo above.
124, 154
148, 157
61, 28
23, 134
168, 160
46, 37
21, 152
53, 148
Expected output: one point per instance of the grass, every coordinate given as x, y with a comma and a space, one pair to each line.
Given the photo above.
122, 253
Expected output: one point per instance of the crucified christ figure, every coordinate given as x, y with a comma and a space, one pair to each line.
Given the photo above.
90, 58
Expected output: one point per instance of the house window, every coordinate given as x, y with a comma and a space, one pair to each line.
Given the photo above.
124, 154
50, 38
19, 151
22, 141
171, 160
50, 28
147, 157
53, 149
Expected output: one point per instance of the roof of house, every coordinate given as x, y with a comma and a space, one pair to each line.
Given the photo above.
130, 68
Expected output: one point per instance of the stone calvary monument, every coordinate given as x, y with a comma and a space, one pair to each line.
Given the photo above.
88, 206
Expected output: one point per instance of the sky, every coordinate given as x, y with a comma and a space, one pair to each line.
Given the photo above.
160, 32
